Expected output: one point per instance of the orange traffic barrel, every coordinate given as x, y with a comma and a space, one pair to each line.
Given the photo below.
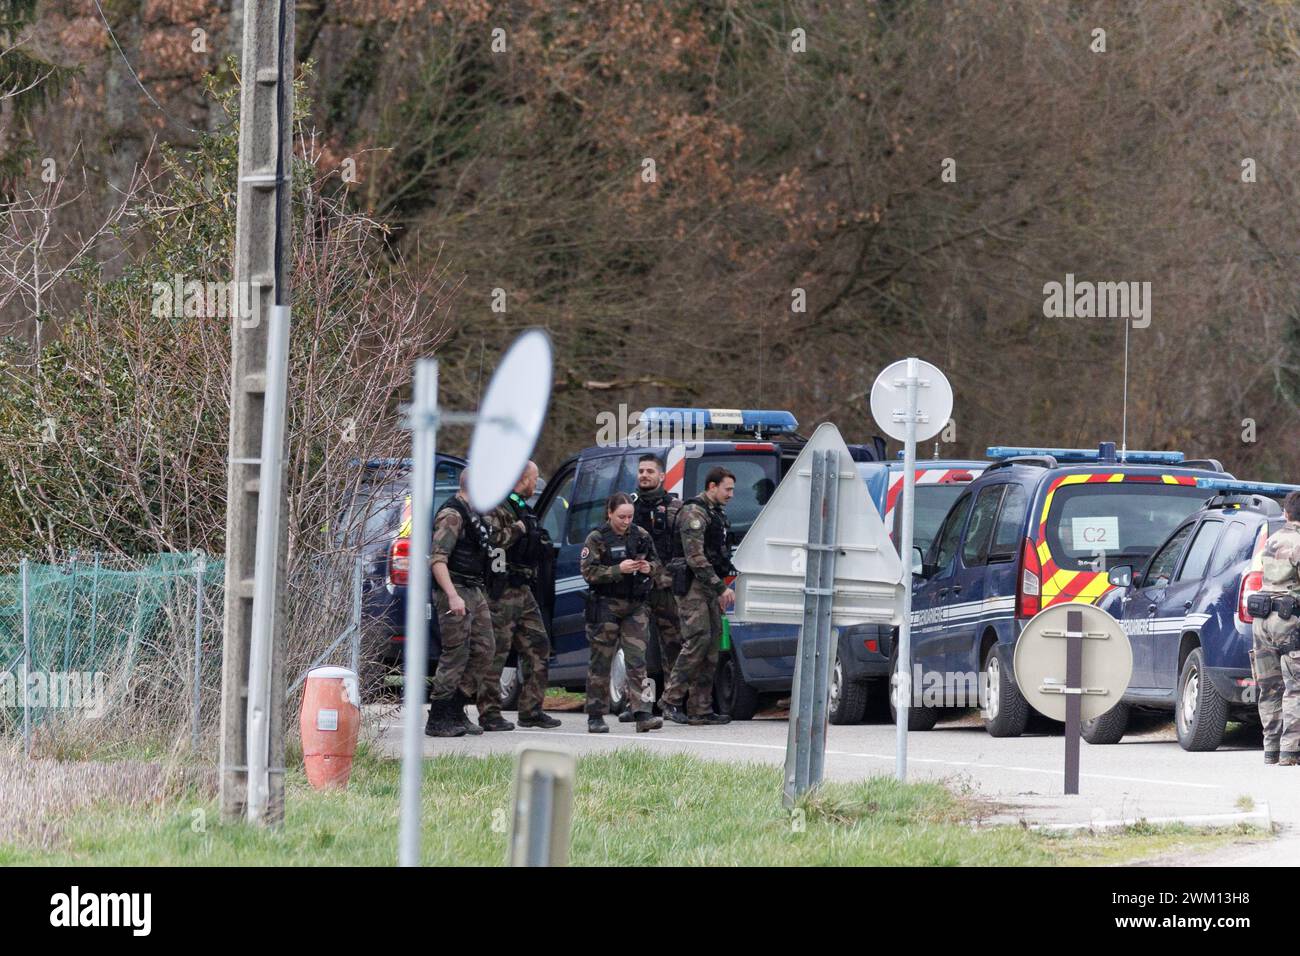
331, 718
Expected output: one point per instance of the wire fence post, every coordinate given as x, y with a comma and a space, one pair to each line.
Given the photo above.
200, 565
94, 604
72, 607
27, 661
356, 617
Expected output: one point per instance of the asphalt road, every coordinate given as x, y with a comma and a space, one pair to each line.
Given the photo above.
1147, 775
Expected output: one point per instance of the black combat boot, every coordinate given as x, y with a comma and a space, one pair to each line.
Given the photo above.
647, 721
708, 719
674, 713
441, 723
596, 724
1270, 756
538, 719
627, 716
495, 722
458, 702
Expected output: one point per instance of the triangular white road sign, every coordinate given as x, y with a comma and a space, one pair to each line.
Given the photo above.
868, 573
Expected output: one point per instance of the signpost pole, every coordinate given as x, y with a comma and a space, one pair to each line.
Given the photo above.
799, 732
424, 444
1073, 699
824, 653
903, 675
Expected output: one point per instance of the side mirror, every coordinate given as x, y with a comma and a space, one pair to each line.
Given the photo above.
918, 562
1121, 576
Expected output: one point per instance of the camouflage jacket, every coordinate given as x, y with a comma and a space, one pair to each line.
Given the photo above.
693, 522
595, 571
1280, 561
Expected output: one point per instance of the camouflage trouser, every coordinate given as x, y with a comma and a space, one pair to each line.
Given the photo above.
663, 611
516, 621
466, 645
622, 622
693, 672
1277, 683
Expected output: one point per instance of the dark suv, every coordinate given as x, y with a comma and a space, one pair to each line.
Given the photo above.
1185, 613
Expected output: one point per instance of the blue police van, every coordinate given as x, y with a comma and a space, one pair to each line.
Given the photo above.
1185, 613
1039, 526
756, 658
375, 523
865, 652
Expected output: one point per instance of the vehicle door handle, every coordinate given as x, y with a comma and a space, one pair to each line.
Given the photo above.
956, 590
1151, 611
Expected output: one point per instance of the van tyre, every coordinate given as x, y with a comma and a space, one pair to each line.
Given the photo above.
732, 696
848, 699
918, 718
1109, 728
1200, 714
1007, 711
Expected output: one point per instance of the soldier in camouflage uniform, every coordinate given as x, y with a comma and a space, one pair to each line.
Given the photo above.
459, 564
656, 511
518, 540
700, 567
618, 564
1275, 659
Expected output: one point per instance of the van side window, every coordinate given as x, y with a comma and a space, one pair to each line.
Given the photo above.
1010, 527
595, 483
1198, 555
976, 549
1161, 569
557, 509
947, 541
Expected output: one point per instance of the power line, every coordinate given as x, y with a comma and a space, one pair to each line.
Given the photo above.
135, 76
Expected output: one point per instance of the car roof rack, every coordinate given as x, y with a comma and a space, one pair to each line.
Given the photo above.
1260, 503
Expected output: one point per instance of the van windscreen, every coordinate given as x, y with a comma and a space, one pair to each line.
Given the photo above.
1118, 522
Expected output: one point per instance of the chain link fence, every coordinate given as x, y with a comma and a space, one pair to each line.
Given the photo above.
116, 647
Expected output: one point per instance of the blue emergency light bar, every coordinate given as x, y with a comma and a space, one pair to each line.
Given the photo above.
747, 420
1227, 486
1103, 453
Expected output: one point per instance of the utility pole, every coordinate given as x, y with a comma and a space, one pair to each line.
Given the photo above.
252, 673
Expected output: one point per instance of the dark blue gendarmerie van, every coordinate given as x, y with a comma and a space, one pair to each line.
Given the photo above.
756, 658
1184, 611
1040, 526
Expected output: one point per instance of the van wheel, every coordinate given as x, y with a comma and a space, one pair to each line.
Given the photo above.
730, 692
1006, 711
618, 684
918, 717
510, 684
848, 700
1200, 714
1108, 728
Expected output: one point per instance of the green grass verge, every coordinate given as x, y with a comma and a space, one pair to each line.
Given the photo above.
631, 808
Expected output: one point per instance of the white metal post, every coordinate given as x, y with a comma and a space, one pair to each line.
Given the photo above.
266, 568
356, 617
424, 446
903, 688
200, 565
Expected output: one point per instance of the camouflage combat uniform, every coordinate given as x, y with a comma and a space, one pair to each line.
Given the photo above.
656, 511
617, 613
460, 541
1275, 659
704, 549
516, 618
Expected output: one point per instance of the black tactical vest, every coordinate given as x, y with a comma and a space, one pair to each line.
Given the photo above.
717, 546
653, 515
468, 561
629, 587
523, 556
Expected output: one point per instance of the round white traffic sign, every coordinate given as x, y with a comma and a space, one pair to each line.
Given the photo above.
933, 400
1040, 661
510, 420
